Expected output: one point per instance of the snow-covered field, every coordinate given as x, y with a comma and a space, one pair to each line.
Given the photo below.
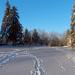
37, 61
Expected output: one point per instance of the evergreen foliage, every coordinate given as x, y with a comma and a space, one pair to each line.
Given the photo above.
27, 37
35, 37
11, 28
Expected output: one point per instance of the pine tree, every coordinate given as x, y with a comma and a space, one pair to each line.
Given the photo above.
27, 37
16, 27
5, 22
35, 37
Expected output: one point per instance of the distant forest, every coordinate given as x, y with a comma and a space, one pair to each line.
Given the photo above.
12, 32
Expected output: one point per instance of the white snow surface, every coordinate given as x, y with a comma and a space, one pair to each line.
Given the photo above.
37, 61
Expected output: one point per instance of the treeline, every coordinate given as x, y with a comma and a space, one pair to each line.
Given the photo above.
38, 37
35, 38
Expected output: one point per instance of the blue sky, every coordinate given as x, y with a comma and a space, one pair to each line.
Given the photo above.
47, 15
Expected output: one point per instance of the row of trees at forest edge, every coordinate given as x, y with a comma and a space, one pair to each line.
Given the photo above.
12, 32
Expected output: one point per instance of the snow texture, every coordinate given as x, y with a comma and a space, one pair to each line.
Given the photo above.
6, 57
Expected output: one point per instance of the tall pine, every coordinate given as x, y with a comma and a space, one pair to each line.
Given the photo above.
16, 27
5, 22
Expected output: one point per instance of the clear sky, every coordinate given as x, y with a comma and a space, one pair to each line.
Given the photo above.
48, 15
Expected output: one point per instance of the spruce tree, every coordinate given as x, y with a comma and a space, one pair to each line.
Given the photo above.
5, 22
27, 37
16, 27
35, 37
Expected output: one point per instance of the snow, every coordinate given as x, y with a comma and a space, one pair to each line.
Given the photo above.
7, 57
37, 61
